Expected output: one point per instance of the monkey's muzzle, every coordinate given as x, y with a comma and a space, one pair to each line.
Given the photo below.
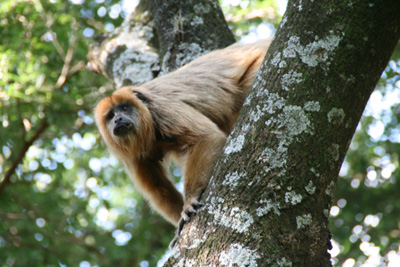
123, 128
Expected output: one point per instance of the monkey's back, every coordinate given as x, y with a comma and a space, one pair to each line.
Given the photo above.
213, 86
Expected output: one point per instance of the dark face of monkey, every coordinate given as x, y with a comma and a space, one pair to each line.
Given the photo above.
121, 120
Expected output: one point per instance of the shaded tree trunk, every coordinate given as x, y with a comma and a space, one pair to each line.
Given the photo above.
269, 199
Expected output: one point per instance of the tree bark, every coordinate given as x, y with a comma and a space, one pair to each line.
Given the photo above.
269, 199
159, 37
187, 29
268, 203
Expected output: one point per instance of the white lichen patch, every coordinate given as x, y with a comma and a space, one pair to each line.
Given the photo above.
315, 172
283, 22
200, 8
303, 221
312, 106
235, 145
216, 201
270, 206
240, 220
277, 58
248, 99
313, 53
328, 89
255, 115
330, 189
336, 116
237, 219
282, 64
326, 213
273, 158
194, 238
272, 103
136, 66
177, 22
290, 50
299, 7
188, 53
283, 262
334, 152
310, 188
290, 79
293, 122
318, 51
136, 61
196, 21
232, 179
259, 82
245, 127
164, 65
293, 198
175, 252
239, 256
195, 243
185, 262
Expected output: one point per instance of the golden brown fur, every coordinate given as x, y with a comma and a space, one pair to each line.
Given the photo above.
186, 114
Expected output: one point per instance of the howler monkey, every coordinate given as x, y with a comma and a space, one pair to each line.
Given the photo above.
187, 115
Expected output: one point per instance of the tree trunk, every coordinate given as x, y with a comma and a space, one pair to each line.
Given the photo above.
269, 199
143, 46
268, 203
187, 29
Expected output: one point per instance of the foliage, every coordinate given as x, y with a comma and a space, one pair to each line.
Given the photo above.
63, 199
70, 197
367, 210
252, 20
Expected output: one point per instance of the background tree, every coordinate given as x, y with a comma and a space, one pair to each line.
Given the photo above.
52, 205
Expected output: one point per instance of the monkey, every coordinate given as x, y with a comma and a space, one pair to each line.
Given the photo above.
185, 115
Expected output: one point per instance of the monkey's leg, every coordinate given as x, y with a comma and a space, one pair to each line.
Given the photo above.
199, 166
152, 179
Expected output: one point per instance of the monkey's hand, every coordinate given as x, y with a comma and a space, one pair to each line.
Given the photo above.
188, 209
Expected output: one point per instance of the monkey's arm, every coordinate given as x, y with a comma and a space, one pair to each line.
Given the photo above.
151, 178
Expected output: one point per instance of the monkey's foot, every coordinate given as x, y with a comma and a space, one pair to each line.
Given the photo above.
188, 210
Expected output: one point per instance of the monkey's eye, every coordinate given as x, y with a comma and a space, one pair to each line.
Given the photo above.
124, 107
110, 115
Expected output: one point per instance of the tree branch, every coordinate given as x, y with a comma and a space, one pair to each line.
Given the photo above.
67, 63
22, 153
75, 68
49, 23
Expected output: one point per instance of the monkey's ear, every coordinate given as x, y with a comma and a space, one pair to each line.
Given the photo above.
141, 97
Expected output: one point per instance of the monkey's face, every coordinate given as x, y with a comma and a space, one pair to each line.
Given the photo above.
125, 122
122, 120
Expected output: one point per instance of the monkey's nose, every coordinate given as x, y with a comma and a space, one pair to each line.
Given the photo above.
122, 127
